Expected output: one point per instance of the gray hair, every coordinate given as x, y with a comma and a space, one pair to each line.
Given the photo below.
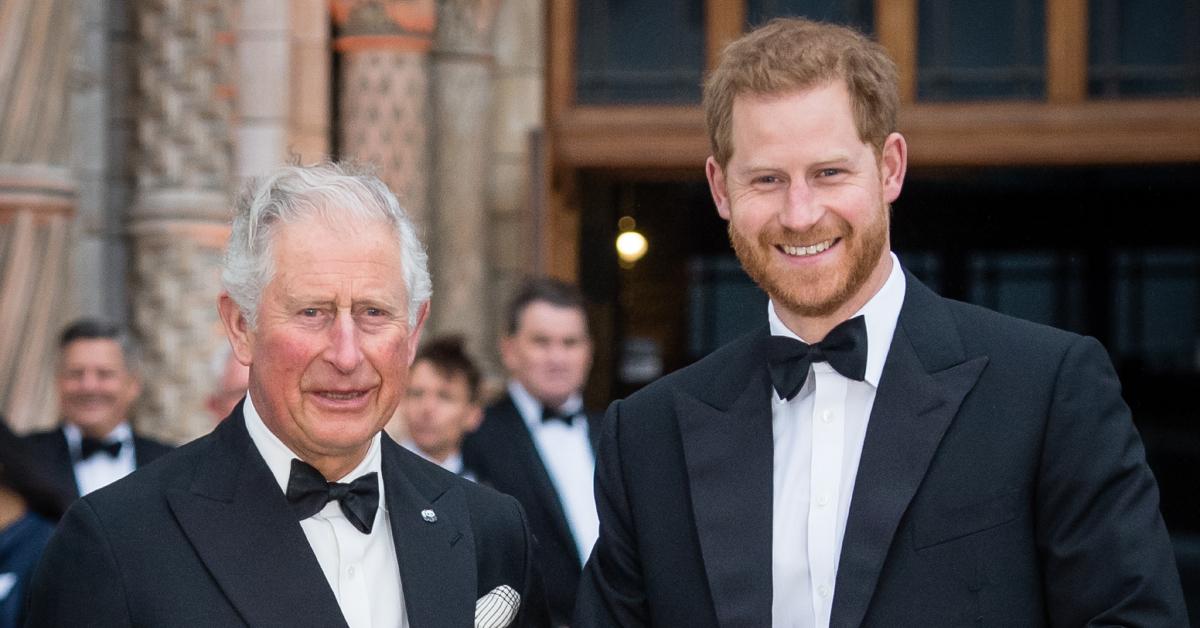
335, 191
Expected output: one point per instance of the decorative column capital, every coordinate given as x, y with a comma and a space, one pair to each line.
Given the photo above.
401, 25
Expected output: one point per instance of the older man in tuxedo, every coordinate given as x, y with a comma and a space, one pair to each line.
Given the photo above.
873, 454
296, 510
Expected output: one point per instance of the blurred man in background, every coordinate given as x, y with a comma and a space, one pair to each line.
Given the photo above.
97, 383
442, 404
537, 442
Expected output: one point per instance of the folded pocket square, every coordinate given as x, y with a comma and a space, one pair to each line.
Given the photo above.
498, 608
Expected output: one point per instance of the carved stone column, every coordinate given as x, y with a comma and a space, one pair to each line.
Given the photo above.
383, 92
37, 201
179, 220
462, 106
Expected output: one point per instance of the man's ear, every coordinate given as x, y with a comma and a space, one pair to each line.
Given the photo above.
893, 164
237, 328
716, 186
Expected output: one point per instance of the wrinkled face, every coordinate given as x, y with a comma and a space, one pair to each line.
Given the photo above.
807, 200
550, 353
95, 388
330, 354
439, 410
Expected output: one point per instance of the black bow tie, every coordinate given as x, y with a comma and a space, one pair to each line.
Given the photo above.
89, 447
549, 415
308, 492
844, 348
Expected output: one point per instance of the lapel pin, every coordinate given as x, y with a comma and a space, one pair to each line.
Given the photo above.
428, 515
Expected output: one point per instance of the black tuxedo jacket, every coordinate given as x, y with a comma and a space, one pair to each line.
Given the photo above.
1002, 483
205, 537
504, 455
51, 450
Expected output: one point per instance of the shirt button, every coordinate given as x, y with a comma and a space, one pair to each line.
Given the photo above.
823, 501
350, 571
824, 590
827, 416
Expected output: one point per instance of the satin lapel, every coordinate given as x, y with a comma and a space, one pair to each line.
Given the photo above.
437, 558
525, 450
238, 521
924, 381
62, 465
728, 448
139, 453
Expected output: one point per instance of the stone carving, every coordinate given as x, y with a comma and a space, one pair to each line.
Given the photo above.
185, 78
384, 92
184, 175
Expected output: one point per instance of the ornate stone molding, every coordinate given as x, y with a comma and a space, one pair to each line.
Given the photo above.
384, 92
184, 174
185, 80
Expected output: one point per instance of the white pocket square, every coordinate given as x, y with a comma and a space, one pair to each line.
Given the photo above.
498, 608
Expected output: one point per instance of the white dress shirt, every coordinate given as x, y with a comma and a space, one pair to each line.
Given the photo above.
567, 453
101, 469
362, 569
818, 442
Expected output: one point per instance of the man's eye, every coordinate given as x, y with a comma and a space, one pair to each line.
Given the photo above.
310, 312
767, 179
373, 311
828, 172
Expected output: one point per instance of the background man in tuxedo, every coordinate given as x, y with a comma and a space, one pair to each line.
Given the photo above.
296, 511
97, 382
537, 442
442, 403
922, 463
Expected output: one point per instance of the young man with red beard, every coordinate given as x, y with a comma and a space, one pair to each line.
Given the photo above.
873, 454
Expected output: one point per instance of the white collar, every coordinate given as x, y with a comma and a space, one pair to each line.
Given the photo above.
881, 313
279, 456
531, 409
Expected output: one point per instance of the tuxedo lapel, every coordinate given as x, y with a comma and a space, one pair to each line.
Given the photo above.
62, 465
524, 449
924, 381
725, 425
239, 523
435, 546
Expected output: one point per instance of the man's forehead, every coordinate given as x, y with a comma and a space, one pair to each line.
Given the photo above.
94, 349
545, 316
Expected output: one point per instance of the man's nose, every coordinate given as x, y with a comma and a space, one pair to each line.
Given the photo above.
89, 380
344, 351
802, 207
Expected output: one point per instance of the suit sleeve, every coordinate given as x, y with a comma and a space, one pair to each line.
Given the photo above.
78, 582
1107, 557
611, 590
